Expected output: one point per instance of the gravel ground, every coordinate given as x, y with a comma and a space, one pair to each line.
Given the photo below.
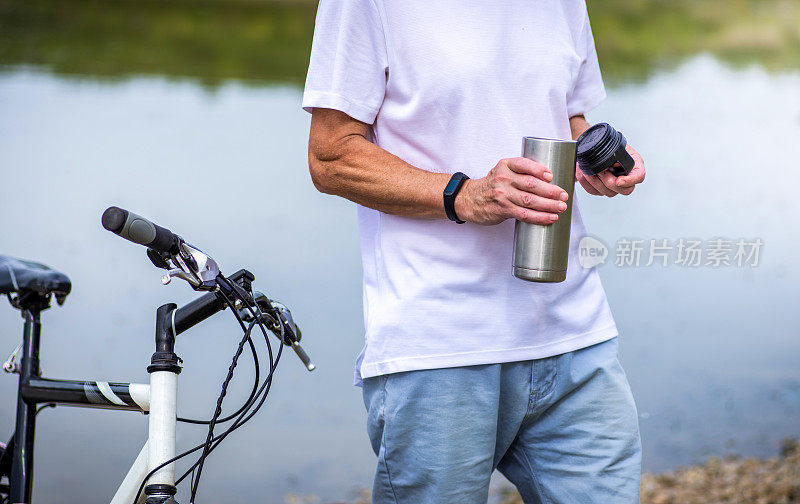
731, 480
724, 481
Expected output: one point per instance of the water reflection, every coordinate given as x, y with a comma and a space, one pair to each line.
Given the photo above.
209, 41
636, 37
269, 42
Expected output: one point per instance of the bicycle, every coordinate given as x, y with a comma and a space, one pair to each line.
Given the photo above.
30, 288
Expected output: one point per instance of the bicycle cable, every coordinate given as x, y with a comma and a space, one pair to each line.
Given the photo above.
195, 483
252, 392
263, 392
243, 414
256, 381
246, 299
217, 439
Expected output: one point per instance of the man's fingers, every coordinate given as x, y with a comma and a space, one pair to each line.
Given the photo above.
586, 185
610, 181
536, 202
636, 176
534, 216
539, 187
598, 185
525, 166
607, 184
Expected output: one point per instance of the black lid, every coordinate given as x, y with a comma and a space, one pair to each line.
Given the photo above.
597, 148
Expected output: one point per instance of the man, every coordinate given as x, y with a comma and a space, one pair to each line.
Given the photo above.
467, 368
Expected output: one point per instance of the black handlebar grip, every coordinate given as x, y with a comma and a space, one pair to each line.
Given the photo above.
139, 230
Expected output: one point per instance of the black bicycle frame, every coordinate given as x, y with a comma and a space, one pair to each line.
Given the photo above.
33, 389
21, 479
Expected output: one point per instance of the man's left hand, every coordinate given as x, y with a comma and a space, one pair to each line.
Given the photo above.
606, 184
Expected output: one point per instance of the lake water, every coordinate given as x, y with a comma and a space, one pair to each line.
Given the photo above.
711, 353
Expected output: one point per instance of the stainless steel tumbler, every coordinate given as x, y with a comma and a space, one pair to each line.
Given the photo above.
541, 252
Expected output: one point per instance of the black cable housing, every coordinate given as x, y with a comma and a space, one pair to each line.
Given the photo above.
258, 394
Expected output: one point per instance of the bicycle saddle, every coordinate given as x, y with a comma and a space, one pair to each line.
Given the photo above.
18, 276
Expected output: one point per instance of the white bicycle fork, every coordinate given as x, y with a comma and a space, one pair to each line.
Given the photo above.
159, 448
164, 398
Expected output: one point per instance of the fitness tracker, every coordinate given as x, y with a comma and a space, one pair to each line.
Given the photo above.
450, 193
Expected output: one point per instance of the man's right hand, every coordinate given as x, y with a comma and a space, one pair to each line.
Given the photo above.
516, 188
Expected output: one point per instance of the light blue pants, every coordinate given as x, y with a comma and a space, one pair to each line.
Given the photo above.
563, 429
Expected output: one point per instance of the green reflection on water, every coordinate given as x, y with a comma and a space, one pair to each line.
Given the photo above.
634, 37
211, 41
269, 42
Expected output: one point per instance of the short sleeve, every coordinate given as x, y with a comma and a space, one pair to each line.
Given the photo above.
348, 66
588, 91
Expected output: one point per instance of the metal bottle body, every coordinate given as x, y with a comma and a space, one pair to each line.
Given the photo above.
541, 252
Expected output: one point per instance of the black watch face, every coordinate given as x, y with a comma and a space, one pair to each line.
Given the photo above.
452, 185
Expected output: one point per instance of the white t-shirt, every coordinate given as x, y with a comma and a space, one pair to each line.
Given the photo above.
447, 86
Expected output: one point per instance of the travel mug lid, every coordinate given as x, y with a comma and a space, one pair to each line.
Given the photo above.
600, 147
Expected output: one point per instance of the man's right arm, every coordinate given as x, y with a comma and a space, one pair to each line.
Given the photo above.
344, 163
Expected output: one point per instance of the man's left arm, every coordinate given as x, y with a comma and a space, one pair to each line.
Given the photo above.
606, 184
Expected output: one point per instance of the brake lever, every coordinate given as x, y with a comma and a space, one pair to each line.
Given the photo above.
291, 332
190, 264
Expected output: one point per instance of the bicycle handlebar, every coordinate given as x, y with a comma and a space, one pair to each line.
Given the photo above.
139, 230
197, 311
200, 271
205, 306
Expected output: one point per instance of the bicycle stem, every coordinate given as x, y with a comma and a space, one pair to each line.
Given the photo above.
164, 369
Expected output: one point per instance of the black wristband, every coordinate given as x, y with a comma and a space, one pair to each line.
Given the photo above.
450, 193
